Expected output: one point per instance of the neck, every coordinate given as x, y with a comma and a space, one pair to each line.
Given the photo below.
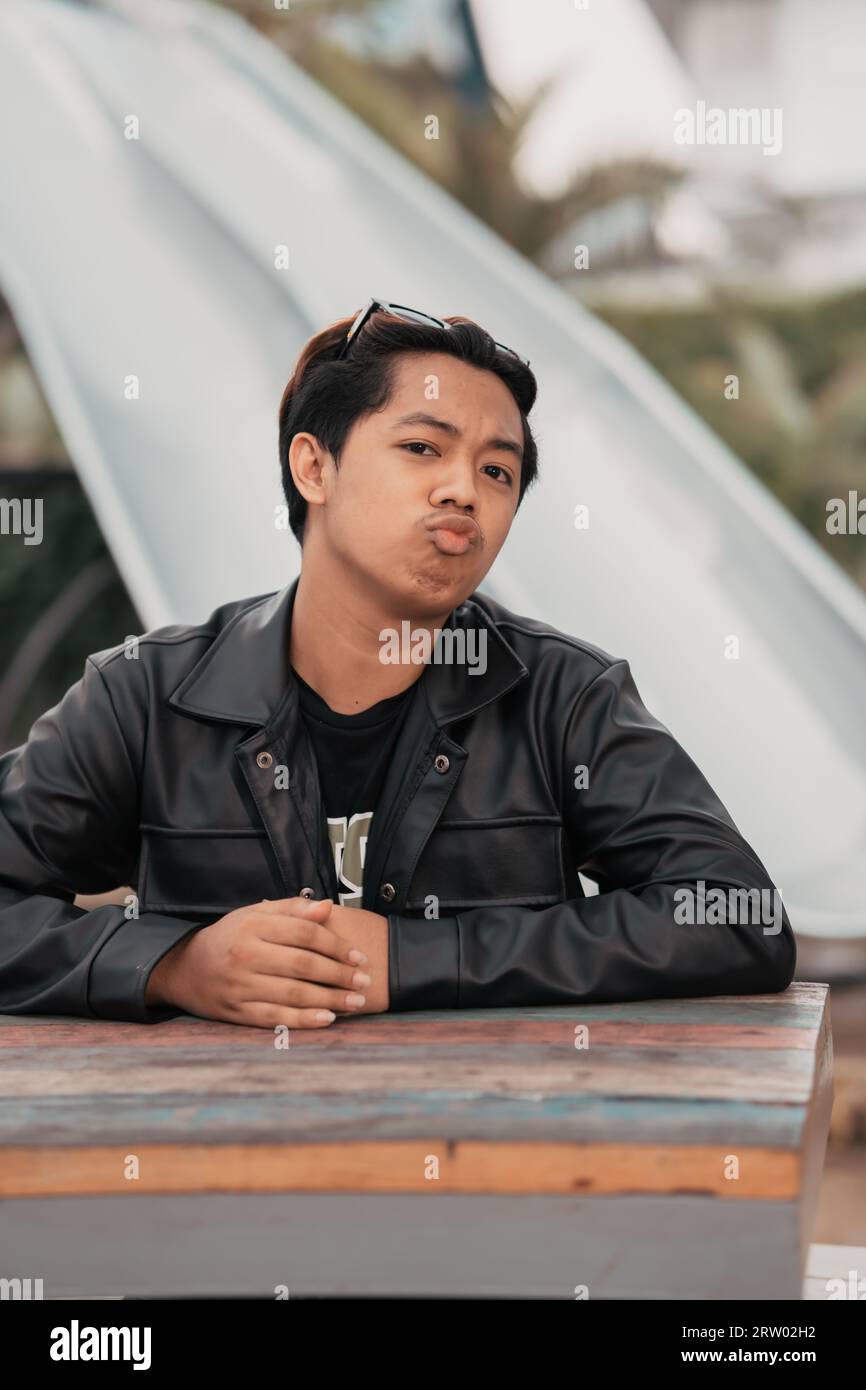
334, 643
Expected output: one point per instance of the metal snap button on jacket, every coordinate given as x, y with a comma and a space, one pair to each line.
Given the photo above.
388, 892
441, 763
264, 759
306, 893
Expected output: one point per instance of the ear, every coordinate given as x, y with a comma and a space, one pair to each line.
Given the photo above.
308, 462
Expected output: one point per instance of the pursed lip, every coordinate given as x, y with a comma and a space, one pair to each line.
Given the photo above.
460, 525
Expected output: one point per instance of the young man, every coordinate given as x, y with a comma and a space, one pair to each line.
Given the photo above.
374, 789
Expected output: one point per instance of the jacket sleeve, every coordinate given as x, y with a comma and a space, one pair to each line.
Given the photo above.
69, 824
651, 832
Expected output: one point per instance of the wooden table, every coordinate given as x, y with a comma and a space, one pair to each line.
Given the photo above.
667, 1149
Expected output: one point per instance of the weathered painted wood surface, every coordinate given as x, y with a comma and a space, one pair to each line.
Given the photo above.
673, 1127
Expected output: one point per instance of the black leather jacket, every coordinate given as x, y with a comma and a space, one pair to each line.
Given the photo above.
157, 770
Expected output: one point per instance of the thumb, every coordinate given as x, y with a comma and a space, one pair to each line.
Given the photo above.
317, 908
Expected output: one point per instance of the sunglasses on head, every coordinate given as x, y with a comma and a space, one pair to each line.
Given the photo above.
400, 311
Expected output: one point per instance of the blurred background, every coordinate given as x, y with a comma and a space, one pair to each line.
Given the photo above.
191, 189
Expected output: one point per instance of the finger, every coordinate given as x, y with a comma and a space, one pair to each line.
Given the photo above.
261, 1015
300, 994
287, 929
266, 958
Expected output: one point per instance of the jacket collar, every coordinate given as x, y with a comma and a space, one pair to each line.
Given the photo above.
245, 676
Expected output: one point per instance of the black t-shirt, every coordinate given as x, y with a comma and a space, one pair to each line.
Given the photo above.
352, 755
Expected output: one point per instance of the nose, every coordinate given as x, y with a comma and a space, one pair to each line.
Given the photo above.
457, 486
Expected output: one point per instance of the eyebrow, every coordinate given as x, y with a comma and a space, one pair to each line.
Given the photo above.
420, 418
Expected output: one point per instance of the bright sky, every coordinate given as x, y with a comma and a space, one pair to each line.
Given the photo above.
622, 83
621, 86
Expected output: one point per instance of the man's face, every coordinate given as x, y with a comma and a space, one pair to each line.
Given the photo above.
398, 476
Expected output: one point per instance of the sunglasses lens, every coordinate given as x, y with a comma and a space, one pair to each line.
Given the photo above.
415, 315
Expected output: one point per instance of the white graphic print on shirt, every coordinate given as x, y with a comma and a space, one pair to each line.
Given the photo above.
349, 846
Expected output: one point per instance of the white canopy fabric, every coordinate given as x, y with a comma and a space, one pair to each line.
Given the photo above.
153, 259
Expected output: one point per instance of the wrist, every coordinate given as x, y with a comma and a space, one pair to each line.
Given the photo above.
158, 988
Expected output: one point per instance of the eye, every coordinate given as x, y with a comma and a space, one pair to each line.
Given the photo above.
417, 444
506, 476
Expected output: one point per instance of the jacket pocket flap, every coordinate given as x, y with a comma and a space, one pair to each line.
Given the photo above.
471, 863
214, 872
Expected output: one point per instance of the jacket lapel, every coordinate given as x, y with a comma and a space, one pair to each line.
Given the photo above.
245, 677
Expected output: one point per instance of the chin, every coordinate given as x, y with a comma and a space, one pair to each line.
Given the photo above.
439, 586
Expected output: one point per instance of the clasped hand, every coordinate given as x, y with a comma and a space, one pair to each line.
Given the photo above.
289, 961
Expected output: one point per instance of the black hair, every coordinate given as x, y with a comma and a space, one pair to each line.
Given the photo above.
324, 397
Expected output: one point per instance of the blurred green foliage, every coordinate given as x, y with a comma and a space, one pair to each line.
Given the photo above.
31, 578
800, 420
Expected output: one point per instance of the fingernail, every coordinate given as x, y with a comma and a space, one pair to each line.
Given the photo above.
360, 979
325, 1016
355, 1000
357, 957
